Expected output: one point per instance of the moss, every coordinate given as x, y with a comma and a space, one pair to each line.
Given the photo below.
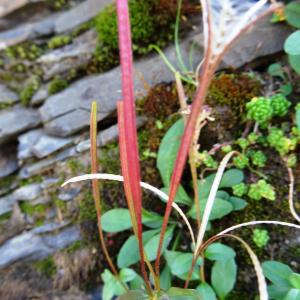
75, 166
29, 90
25, 51
59, 41
34, 179
83, 27
87, 210
149, 25
75, 246
233, 90
5, 217
57, 85
6, 182
32, 210
46, 266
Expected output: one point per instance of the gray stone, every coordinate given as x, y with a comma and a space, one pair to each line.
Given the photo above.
106, 136
79, 14
28, 192
37, 244
73, 116
40, 96
8, 160
27, 31
16, 120
26, 143
69, 194
73, 56
39, 167
6, 204
8, 6
7, 96
47, 145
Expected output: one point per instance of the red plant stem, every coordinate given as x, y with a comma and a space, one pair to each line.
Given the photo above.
208, 72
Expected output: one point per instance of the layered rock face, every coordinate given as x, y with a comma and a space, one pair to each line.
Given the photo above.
40, 138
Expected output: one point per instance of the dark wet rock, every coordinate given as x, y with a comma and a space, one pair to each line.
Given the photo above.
73, 56
39, 167
26, 143
79, 14
37, 243
7, 96
47, 145
16, 120
8, 160
64, 117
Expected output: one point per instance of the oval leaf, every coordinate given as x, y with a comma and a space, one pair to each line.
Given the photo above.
168, 150
116, 220
293, 294
223, 277
278, 273
206, 291
292, 44
237, 203
294, 279
183, 294
294, 61
231, 178
292, 14
218, 251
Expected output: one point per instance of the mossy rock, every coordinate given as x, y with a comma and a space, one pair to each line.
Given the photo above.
57, 85
29, 90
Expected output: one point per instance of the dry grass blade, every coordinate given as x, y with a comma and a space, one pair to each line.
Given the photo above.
95, 185
144, 185
211, 199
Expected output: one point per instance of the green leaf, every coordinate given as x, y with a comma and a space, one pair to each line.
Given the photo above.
206, 291
116, 220
292, 44
223, 277
180, 263
277, 292
137, 283
293, 294
298, 118
218, 251
294, 279
129, 253
112, 287
275, 70
286, 89
181, 196
204, 186
231, 178
237, 203
183, 294
220, 209
168, 150
152, 245
222, 195
127, 274
294, 61
277, 273
165, 278
135, 295
292, 14
151, 219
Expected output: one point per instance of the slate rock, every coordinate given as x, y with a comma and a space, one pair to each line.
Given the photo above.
26, 143
68, 195
7, 96
27, 31
79, 14
6, 204
8, 6
16, 120
40, 96
47, 164
73, 56
64, 117
28, 192
47, 145
37, 243
8, 160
